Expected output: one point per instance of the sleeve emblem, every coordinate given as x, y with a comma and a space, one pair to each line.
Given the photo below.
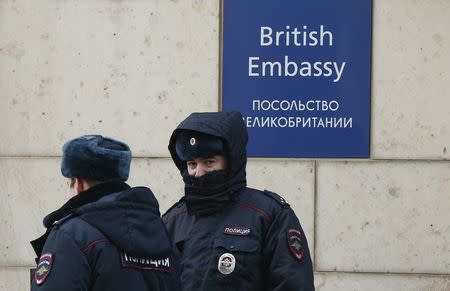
295, 243
43, 268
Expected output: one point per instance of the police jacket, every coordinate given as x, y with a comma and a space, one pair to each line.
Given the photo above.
109, 237
254, 241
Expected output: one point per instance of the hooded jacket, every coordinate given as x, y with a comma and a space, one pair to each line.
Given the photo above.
226, 125
110, 237
212, 191
253, 242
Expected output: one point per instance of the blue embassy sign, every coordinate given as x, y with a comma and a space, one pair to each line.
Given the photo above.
299, 72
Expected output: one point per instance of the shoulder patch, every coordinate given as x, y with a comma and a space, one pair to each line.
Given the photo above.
43, 268
277, 198
295, 243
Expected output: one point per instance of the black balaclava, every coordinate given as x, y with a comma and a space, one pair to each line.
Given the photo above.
211, 192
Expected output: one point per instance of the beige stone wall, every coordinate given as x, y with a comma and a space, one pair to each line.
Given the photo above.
133, 69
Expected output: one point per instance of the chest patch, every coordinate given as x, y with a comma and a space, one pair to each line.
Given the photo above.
226, 264
149, 264
43, 268
295, 243
236, 230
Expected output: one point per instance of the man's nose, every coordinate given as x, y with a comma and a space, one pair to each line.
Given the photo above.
200, 171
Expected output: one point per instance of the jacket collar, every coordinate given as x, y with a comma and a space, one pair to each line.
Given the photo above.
90, 195
83, 198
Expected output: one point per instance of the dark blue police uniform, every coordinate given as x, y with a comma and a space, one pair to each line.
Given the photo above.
237, 238
109, 237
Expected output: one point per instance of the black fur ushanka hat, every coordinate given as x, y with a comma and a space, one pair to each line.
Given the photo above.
97, 158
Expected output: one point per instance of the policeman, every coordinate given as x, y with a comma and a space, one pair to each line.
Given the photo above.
108, 236
231, 237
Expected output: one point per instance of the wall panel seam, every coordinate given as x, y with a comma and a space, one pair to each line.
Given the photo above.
383, 273
315, 215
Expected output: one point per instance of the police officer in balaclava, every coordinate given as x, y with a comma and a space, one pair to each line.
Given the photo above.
231, 237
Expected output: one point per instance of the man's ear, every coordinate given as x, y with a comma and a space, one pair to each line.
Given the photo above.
79, 185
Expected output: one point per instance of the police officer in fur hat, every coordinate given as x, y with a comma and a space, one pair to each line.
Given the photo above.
108, 236
231, 237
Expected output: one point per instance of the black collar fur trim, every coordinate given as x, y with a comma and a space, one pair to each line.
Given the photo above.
83, 198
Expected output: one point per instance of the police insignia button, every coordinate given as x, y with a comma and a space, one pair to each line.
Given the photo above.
295, 243
227, 262
43, 268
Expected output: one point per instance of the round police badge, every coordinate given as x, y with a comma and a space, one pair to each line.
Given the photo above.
192, 141
43, 268
226, 264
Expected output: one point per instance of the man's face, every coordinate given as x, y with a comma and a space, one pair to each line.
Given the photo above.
200, 166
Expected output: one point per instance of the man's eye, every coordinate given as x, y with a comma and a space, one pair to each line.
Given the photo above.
191, 164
